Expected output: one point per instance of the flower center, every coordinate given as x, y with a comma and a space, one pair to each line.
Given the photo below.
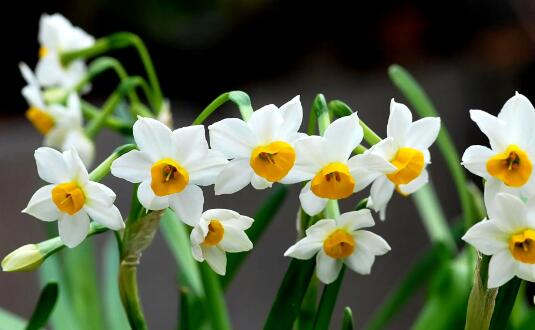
522, 246
168, 177
339, 244
43, 51
42, 121
68, 197
273, 161
215, 233
513, 167
409, 163
333, 181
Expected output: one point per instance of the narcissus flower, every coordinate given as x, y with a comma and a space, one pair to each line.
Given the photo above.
57, 35
261, 149
509, 237
325, 161
71, 198
217, 232
406, 148
340, 241
170, 166
507, 165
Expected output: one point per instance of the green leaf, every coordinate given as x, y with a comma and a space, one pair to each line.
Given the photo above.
263, 217
10, 321
115, 314
215, 301
504, 304
347, 321
305, 319
290, 296
43, 309
177, 239
327, 302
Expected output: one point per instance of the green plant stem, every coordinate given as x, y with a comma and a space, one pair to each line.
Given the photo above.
481, 301
130, 296
104, 168
369, 135
215, 302
328, 302
90, 112
241, 99
117, 41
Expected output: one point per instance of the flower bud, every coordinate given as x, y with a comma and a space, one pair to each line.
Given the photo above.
25, 258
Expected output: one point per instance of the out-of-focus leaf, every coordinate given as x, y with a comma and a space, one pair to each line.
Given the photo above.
347, 321
10, 321
481, 300
45, 306
504, 304
115, 314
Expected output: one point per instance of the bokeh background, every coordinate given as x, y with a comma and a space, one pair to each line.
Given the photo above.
468, 54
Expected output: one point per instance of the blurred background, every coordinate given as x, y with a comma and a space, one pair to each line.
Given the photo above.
467, 54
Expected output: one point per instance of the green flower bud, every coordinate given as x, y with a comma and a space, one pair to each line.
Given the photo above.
26, 258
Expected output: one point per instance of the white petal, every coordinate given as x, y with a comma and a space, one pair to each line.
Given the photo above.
343, 135
519, 114
75, 167
106, 215
509, 213
153, 138
134, 166
422, 133
525, 271
415, 184
355, 220
234, 177
99, 193
399, 122
217, 259
73, 228
386, 149
196, 252
490, 190
28, 75
51, 165
361, 261
188, 204
366, 168
235, 240
149, 200
260, 183
310, 158
33, 96
501, 269
321, 229
232, 137
292, 113
492, 127
205, 171
266, 123
486, 237
84, 146
327, 268
380, 193
41, 205
189, 144
304, 249
475, 160
48, 70
311, 203
372, 242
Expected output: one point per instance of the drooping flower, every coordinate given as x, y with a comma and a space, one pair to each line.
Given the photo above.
57, 35
261, 149
509, 237
406, 148
170, 166
70, 197
217, 232
507, 165
340, 241
325, 161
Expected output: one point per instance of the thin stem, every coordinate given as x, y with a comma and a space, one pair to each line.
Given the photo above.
130, 296
104, 168
328, 302
91, 112
239, 98
369, 135
214, 299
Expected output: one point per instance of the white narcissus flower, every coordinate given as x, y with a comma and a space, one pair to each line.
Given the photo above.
170, 166
261, 149
217, 232
509, 237
325, 161
406, 148
71, 198
340, 241
58, 35
507, 165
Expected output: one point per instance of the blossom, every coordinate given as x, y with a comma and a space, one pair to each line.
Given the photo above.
406, 148
261, 149
340, 241
325, 162
26, 258
217, 232
509, 237
170, 166
70, 197
507, 165
57, 35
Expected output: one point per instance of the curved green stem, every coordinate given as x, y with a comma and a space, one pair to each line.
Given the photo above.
104, 168
241, 99
130, 296
91, 112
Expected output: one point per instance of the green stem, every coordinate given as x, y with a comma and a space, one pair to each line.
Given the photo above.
214, 299
130, 296
91, 112
239, 98
104, 168
369, 135
327, 302
481, 300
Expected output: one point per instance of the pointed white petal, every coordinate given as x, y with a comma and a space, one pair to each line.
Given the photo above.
108, 216
149, 200
321, 229
235, 240
525, 271
519, 114
51, 165
304, 249
486, 237
423, 132
73, 228
355, 220
327, 268
28, 75
415, 184
311, 203
99, 193
361, 261
205, 171
234, 177
399, 122
342, 136
386, 149
492, 127
475, 160
41, 205
188, 204
189, 145
232, 137
266, 123
260, 183
153, 138
134, 166
292, 113
75, 167
84, 146
501, 269
372, 242
508, 212
380, 193
216, 258
33, 96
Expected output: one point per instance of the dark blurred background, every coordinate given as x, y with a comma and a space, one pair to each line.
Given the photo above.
467, 54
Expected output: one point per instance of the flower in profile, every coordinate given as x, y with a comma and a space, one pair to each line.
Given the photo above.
325, 162
57, 35
406, 148
507, 165
340, 241
170, 166
261, 149
217, 232
70, 197
509, 237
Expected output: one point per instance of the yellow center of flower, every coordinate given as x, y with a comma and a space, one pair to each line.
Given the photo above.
522, 246
409, 163
168, 177
68, 197
333, 181
215, 233
513, 167
339, 244
42, 121
43, 51
273, 161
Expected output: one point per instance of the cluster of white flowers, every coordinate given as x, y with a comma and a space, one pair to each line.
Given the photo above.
508, 234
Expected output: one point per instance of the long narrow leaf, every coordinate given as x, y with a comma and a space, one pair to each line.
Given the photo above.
347, 321
10, 321
115, 314
327, 302
504, 304
215, 301
45, 306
